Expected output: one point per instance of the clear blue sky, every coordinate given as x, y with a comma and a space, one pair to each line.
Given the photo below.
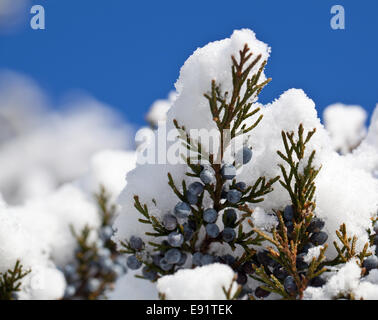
128, 53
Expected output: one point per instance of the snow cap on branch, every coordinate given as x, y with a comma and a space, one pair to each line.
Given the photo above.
201, 283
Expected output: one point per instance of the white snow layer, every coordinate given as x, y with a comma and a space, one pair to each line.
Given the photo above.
346, 126
201, 283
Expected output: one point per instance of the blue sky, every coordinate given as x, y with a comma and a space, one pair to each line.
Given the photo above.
129, 53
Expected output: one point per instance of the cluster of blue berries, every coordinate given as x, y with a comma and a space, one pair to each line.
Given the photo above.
96, 267
181, 226
317, 237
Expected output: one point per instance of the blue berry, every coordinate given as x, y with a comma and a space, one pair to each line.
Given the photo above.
207, 176
106, 263
93, 284
301, 264
228, 234
317, 282
99, 243
242, 278
224, 192
183, 258
133, 263
247, 267
241, 186
234, 196
197, 259
69, 269
170, 222
289, 226
156, 259
70, 291
288, 213
149, 274
307, 247
191, 198
315, 225
376, 227
173, 256
207, 259
370, 263
280, 273
175, 239
212, 230
261, 293
228, 259
106, 233
188, 232
244, 155
210, 215
196, 188
228, 172
136, 243
182, 210
229, 217
289, 285
105, 252
319, 238
264, 258
376, 240
165, 265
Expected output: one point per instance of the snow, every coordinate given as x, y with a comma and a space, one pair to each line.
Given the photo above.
313, 253
53, 162
346, 282
346, 126
201, 283
17, 242
43, 223
41, 148
128, 287
158, 110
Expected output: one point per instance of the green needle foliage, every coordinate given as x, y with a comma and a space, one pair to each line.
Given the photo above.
10, 282
87, 259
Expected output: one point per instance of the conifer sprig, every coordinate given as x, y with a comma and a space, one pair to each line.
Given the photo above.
287, 243
11, 280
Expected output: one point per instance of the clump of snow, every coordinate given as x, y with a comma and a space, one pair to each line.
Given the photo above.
313, 253
366, 155
17, 242
42, 148
346, 282
201, 283
128, 287
262, 220
49, 218
108, 168
158, 110
346, 126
